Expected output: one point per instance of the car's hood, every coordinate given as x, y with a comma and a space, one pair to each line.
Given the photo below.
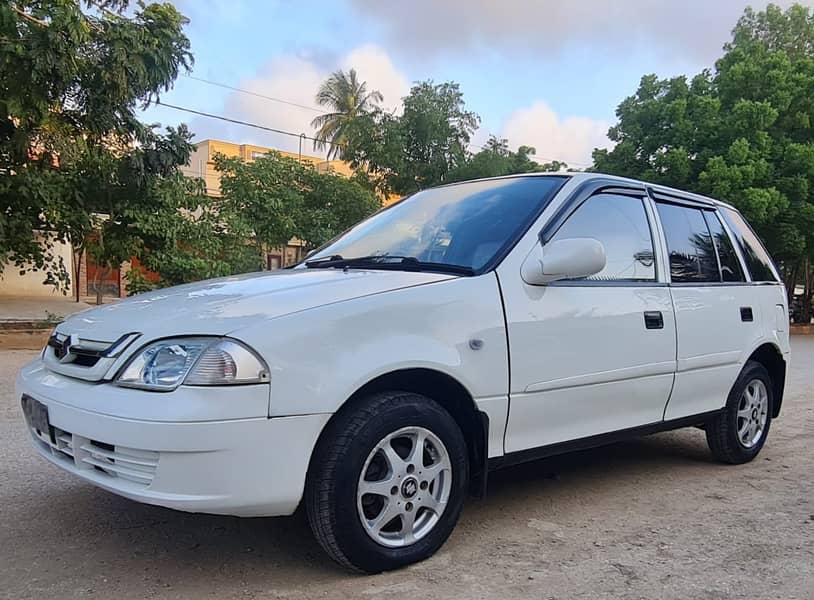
219, 306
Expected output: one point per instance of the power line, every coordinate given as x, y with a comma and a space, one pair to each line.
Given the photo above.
247, 124
225, 86
256, 94
533, 157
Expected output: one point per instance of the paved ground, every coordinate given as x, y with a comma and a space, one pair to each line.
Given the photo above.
33, 308
652, 518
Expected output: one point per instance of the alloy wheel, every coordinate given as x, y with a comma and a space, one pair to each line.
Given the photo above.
753, 413
404, 487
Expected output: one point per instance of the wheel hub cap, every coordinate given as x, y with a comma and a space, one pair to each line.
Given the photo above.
404, 487
409, 488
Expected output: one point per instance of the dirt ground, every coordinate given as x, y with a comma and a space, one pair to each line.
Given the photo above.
650, 518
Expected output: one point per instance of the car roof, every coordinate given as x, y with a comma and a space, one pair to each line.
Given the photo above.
580, 176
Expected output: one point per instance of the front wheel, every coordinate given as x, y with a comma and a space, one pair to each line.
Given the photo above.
387, 482
739, 432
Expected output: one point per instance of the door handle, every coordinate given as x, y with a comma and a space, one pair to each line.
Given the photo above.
653, 319
746, 314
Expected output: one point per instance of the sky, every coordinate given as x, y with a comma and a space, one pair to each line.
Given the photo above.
541, 73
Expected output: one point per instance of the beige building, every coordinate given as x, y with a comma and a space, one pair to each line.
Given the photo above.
202, 162
31, 283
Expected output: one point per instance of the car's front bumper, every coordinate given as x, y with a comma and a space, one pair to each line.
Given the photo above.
249, 466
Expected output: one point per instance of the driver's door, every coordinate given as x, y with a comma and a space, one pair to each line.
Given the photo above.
594, 355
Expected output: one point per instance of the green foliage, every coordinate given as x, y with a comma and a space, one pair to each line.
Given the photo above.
428, 144
418, 148
496, 159
188, 237
348, 99
275, 198
71, 148
742, 133
330, 205
137, 283
436, 129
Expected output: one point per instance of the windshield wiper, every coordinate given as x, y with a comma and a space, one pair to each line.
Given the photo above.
317, 262
387, 261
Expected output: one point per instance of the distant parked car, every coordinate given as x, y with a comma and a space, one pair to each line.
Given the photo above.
468, 327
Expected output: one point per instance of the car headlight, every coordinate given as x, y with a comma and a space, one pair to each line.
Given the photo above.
166, 364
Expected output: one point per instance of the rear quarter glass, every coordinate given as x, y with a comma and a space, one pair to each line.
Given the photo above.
758, 261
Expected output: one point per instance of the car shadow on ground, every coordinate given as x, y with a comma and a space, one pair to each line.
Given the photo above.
170, 547
612, 463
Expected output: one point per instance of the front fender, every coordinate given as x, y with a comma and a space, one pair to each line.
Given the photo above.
318, 358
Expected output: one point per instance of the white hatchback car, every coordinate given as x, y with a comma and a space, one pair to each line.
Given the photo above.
468, 327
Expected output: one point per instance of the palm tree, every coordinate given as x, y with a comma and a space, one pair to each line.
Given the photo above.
347, 98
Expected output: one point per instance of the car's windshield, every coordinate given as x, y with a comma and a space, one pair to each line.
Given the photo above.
466, 224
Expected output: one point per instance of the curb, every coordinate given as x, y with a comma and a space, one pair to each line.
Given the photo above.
24, 339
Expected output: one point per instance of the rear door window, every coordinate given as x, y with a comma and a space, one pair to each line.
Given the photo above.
689, 243
757, 259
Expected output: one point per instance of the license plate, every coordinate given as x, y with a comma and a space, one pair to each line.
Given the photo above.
36, 413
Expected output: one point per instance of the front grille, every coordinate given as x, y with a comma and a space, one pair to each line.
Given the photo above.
88, 359
135, 466
85, 360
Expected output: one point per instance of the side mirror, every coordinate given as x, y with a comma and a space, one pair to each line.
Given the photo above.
570, 258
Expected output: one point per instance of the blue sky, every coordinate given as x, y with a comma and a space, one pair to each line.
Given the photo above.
539, 72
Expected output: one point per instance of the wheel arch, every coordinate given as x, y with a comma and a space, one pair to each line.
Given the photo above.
770, 356
447, 391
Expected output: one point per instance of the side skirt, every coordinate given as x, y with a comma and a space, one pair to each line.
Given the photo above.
602, 439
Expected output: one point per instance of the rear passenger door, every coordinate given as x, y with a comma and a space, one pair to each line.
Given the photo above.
595, 355
717, 319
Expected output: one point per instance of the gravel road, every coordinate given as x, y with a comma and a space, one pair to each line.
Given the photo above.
650, 518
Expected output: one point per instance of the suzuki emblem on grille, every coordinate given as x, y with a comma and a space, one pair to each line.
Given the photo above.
62, 349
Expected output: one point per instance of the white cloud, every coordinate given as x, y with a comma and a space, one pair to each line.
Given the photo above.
374, 66
693, 28
296, 79
569, 139
289, 78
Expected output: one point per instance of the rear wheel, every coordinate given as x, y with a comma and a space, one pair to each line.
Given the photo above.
739, 432
387, 482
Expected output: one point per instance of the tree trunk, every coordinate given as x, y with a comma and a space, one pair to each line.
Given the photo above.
790, 281
808, 292
77, 267
101, 276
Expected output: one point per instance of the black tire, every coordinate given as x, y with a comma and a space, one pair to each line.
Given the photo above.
722, 432
340, 455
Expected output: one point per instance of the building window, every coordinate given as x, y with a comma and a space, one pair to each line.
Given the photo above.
256, 154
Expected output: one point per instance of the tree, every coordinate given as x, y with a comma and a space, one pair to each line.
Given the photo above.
276, 198
70, 143
196, 244
331, 204
375, 147
348, 99
436, 129
420, 147
495, 159
742, 132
